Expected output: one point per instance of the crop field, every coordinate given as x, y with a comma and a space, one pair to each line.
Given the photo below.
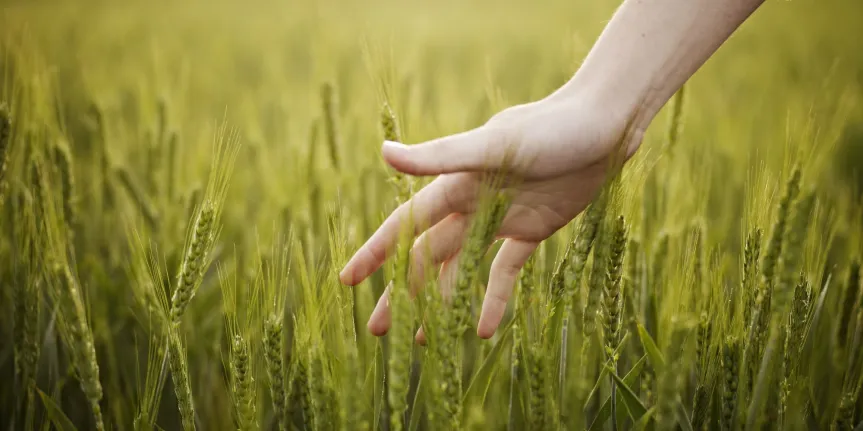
181, 183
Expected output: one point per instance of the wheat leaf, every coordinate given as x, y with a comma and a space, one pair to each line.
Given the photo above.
653, 353
55, 414
630, 400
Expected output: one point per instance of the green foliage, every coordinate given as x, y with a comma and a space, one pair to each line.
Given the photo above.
147, 160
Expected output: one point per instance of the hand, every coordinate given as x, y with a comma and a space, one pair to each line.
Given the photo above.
562, 145
559, 149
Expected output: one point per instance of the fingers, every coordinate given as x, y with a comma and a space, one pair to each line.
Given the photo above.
436, 245
448, 277
442, 244
504, 270
445, 195
420, 337
379, 321
466, 151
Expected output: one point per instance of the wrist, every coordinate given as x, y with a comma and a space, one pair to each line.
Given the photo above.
625, 108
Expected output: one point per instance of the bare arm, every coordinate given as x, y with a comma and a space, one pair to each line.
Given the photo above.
650, 48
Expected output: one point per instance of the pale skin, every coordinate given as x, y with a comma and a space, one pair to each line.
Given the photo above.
559, 147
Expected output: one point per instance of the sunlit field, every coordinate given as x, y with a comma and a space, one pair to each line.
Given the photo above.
181, 183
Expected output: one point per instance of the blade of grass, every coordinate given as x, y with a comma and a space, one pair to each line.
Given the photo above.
816, 319
646, 421
682, 417
602, 416
378, 395
605, 411
759, 392
55, 414
419, 400
630, 400
602, 373
482, 379
650, 348
630, 379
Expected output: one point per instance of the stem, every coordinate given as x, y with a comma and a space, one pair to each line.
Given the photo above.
30, 412
614, 402
747, 351
512, 381
561, 374
760, 388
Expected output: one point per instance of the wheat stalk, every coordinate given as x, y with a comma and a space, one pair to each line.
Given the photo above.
193, 262
573, 270
331, 122
611, 303
675, 123
537, 375
391, 132
751, 255
792, 257
180, 375
401, 339
274, 355
777, 236
243, 383
299, 393
79, 338
63, 160
730, 379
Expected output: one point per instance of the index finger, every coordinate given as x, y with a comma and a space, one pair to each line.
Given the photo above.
443, 196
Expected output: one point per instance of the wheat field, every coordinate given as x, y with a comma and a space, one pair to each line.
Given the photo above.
181, 182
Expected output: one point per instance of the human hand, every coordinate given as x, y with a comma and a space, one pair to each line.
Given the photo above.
559, 148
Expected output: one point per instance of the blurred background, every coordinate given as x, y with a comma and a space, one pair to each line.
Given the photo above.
264, 62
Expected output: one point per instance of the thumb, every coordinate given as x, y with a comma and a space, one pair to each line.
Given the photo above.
466, 151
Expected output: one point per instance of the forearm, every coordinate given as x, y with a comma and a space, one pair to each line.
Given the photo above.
650, 48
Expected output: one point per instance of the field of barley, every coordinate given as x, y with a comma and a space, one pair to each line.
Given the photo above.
181, 182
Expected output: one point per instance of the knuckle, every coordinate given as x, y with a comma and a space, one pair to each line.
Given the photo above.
500, 296
375, 254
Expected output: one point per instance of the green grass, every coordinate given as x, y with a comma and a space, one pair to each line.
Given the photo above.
181, 184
